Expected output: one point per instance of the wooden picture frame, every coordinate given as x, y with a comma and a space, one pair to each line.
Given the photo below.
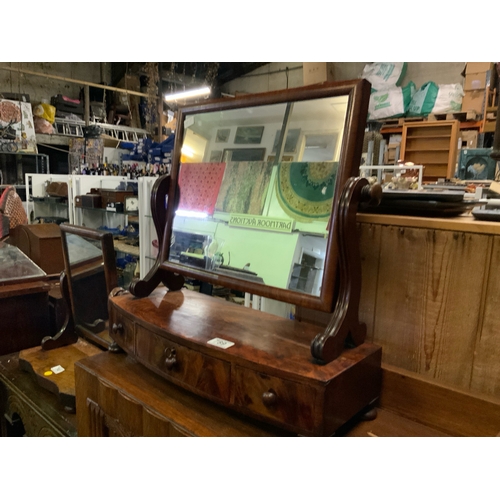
243, 154
249, 135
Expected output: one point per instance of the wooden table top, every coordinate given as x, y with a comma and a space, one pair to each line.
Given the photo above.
463, 223
24, 385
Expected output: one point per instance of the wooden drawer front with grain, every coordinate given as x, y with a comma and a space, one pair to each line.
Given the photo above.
122, 331
206, 375
288, 403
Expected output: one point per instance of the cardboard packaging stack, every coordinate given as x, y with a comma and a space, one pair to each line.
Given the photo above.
479, 77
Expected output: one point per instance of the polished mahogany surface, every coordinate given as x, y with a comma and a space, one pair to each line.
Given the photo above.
24, 315
116, 396
267, 373
26, 409
303, 378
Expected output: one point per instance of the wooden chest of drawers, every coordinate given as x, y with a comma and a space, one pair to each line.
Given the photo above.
264, 370
116, 396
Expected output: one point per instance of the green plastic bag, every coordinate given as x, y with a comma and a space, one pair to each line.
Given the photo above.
423, 100
390, 103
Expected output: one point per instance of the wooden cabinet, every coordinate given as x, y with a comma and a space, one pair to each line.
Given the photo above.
116, 396
433, 144
430, 297
24, 313
26, 409
251, 362
188, 368
278, 399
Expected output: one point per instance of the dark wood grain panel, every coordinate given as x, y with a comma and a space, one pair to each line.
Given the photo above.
289, 404
172, 332
24, 313
260, 339
369, 235
122, 330
40, 410
186, 413
155, 424
204, 374
123, 415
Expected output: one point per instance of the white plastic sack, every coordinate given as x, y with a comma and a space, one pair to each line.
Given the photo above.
449, 99
384, 75
390, 103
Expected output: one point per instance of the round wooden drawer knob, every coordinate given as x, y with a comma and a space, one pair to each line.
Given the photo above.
269, 398
171, 358
117, 328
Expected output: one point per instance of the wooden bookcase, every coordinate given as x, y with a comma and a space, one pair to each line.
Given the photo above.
432, 144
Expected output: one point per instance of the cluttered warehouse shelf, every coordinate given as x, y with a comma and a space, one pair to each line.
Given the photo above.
396, 111
69, 157
439, 140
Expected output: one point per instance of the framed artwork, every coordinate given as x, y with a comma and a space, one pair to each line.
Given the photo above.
248, 135
215, 156
244, 154
292, 138
17, 129
222, 135
283, 158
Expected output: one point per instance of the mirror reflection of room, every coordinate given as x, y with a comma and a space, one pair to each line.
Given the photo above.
88, 282
255, 203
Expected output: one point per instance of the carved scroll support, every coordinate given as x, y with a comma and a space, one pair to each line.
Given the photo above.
156, 275
67, 335
344, 327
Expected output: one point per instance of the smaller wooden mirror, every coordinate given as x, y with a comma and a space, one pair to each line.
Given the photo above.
88, 278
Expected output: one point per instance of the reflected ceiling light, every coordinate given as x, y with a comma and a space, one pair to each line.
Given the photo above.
191, 213
187, 94
187, 151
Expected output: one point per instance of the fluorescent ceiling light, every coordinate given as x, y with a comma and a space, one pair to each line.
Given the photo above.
187, 151
191, 213
187, 94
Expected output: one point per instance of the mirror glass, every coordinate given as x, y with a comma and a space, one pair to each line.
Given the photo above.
16, 266
256, 191
90, 279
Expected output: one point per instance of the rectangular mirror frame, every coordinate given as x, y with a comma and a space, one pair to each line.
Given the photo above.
358, 92
108, 262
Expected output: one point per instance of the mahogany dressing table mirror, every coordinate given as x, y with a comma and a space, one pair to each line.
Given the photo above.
262, 198
88, 278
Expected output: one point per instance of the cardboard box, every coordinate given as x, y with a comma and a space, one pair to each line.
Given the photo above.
473, 100
478, 67
476, 81
317, 72
468, 139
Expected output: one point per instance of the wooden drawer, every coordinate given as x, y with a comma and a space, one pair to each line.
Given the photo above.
206, 375
288, 403
122, 331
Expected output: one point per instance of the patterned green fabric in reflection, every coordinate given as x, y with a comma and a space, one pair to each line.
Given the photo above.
305, 189
244, 187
